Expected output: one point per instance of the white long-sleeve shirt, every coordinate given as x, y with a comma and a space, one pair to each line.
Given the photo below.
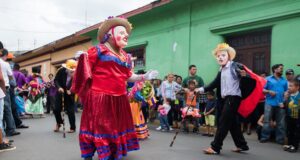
168, 90
229, 85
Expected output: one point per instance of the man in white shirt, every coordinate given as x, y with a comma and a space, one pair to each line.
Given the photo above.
8, 117
4, 144
227, 83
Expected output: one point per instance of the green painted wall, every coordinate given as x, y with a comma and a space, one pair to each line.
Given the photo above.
185, 32
285, 46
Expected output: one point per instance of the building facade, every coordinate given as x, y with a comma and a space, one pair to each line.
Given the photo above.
171, 36
49, 58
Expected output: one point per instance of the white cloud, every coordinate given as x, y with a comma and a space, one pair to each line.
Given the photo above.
31, 23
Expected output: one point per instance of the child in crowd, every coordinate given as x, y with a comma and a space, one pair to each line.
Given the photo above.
178, 101
209, 114
190, 113
163, 115
260, 124
293, 120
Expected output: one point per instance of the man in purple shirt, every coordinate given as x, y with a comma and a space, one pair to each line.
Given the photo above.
19, 76
51, 93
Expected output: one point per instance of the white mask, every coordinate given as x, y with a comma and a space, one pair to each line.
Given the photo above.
222, 57
119, 35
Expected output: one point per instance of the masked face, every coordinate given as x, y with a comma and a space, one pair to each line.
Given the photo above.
222, 58
120, 35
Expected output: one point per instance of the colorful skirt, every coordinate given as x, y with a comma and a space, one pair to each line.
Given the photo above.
140, 126
106, 127
34, 106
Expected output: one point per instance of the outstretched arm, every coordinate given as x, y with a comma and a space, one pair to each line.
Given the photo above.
147, 76
214, 84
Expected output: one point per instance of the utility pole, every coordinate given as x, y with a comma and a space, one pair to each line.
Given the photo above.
18, 44
85, 17
86, 1
34, 43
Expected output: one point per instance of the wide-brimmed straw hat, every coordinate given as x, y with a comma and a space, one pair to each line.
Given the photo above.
70, 64
225, 47
113, 22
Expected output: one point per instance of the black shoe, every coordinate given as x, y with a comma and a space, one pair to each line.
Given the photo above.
6, 147
9, 142
22, 126
13, 134
248, 132
245, 148
205, 134
286, 147
242, 149
292, 149
195, 130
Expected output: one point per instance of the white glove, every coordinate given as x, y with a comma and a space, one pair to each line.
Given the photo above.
200, 90
152, 74
79, 53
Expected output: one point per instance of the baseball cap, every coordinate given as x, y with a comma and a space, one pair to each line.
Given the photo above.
289, 71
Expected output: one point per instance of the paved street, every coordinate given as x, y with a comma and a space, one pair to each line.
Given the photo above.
39, 142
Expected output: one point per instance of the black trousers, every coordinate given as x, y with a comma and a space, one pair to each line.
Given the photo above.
69, 107
258, 132
145, 111
218, 110
293, 132
202, 108
229, 122
171, 113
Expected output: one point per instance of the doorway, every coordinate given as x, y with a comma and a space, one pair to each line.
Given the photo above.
253, 49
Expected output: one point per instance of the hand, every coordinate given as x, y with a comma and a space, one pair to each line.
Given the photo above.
281, 105
243, 73
199, 90
151, 75
60, 90
165, 100
68, 92
272, 93
79, 53
286, 95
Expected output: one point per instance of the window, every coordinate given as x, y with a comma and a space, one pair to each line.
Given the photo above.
139, 55
253, 49
36, 69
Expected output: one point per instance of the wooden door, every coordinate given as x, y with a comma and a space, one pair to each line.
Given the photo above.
253, 50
